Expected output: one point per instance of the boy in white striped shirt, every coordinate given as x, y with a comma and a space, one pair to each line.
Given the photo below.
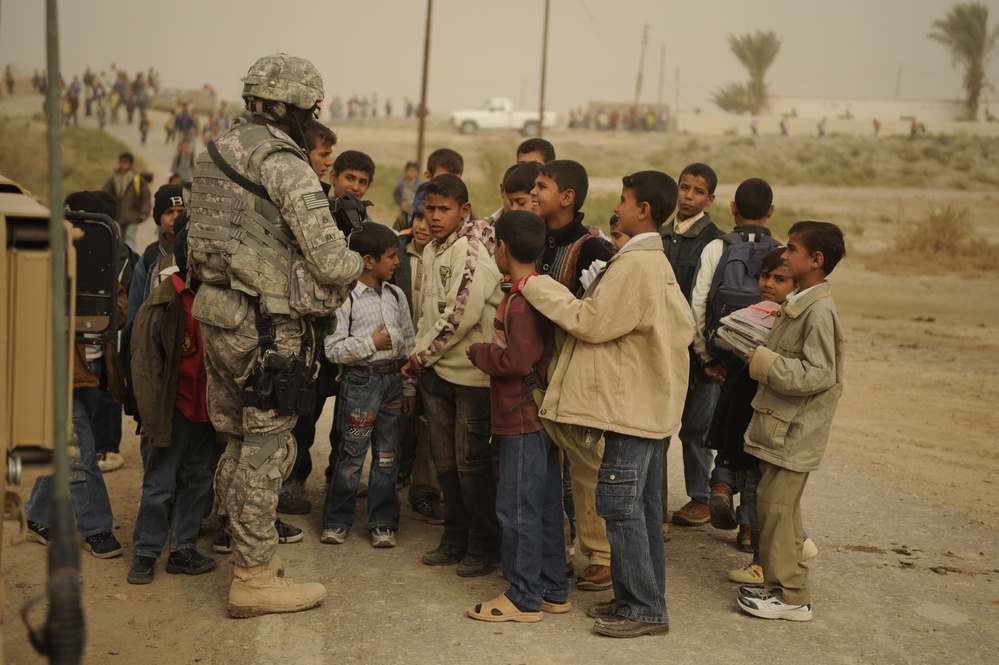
373, 339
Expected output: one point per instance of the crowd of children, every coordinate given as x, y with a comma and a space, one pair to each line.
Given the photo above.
464, 339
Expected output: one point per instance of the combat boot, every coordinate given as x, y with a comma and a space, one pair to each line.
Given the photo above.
275, 564
256, 590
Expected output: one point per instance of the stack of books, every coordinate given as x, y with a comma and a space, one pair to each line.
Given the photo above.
745, 329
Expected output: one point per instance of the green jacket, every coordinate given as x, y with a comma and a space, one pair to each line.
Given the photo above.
800, 371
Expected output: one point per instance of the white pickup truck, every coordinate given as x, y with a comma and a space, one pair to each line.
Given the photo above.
498, 113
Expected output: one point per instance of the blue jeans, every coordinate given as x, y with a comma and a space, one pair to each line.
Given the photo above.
529, 508
629, 498
702, 396
86, 482
459, 421
725, 475
368, 409
105, 415
746, 482
175, 487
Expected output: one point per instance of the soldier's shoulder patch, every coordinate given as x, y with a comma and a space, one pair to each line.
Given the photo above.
315, 200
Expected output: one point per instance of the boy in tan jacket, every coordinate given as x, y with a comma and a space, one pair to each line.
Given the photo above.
627, 350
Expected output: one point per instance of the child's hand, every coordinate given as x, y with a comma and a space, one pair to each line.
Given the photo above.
715, 373
408, 405
381, 339
468, 351
413, 369
749, 357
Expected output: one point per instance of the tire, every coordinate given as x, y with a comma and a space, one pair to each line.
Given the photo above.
469, 127
530, 128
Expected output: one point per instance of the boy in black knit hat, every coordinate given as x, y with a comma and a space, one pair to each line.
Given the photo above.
167, 207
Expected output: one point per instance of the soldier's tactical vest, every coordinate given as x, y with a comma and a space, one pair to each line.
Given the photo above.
237, 239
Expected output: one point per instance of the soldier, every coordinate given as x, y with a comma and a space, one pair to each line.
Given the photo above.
270, 258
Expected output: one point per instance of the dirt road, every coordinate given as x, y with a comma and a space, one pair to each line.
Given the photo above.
903, 512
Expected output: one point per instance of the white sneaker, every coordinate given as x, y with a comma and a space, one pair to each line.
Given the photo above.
382, 538
333, 536
748, 574
109, 461
768, 607
808, 549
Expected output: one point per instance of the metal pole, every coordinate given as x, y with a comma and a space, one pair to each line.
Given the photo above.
64, 631
57, 244
421, 112
544, 71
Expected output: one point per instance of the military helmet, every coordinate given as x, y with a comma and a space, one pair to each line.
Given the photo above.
284, 78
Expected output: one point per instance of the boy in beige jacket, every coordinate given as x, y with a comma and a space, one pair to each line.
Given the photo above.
624, 370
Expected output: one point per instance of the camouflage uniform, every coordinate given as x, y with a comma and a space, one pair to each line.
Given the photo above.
283, 259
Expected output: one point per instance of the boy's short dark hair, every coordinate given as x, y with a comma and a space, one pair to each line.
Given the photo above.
699, 170
354, 160
447, 160
568, 174
822, 237
523, 232
521, 178
772, 259
373, 239
449, 186
753, 198
655, 188
546, 149
614, 221
316, 133
127, 156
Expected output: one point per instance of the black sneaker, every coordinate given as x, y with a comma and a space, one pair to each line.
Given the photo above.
429, 511
103, 545
289, 505
189, 561
142, 570
288, 533
444, 555
476, 565
38, 533
222, 544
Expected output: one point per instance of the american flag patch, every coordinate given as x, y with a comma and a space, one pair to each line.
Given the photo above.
315, 200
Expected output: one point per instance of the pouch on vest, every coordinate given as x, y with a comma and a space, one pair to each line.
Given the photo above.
307, 295
220, 307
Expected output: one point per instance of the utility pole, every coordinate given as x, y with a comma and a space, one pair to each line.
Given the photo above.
662, 72
898, 81
544, 70
421, 112
676, 94
641, 64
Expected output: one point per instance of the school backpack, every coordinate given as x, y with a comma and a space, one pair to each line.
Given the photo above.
564, 435
736, 282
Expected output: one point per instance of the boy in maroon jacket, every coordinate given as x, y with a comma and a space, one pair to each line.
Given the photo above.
529, 493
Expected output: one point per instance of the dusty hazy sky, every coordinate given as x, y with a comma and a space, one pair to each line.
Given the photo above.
845, 48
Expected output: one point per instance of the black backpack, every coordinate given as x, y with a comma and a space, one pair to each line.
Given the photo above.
736, 282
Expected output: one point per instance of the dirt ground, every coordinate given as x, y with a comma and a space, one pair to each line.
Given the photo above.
903, 510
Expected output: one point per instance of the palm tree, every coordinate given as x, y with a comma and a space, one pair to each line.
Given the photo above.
965, 31
731, 98
756, 52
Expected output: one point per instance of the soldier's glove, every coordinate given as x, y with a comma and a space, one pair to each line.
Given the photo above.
348, 213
